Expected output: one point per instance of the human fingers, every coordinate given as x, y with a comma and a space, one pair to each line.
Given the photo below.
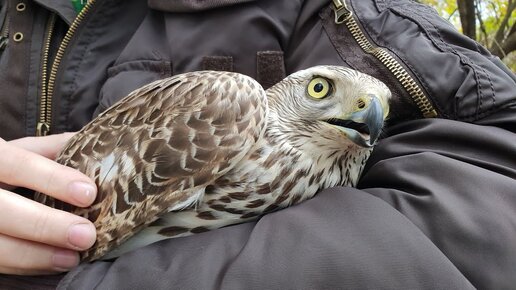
20, 167
21, 257
48, 146
26, 219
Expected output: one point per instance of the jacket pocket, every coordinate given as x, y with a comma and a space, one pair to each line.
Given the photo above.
129, 76
460, 74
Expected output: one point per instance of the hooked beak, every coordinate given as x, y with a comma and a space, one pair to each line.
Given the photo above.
364, 126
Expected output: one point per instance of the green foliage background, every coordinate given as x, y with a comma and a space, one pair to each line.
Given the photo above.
491, 13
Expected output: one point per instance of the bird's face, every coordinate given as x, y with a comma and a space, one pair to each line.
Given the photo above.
330, 103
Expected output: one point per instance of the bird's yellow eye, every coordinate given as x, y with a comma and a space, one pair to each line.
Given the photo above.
319, 88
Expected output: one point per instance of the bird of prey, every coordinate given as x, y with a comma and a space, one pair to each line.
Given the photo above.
207, 149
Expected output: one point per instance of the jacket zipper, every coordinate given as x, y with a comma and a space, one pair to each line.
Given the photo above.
45, 119
43, 125
4, 33
344, 15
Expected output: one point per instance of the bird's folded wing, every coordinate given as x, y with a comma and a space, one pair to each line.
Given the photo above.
158, 149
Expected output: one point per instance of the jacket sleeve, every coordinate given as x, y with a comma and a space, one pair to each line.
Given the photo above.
435, 208
343, 239
455, 182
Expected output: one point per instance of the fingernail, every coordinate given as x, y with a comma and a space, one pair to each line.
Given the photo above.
64, 260
84, 193
82, 236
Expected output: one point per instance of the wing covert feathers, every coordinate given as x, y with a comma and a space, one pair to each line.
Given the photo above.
158, 148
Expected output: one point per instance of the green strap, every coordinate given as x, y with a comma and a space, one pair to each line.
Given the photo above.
79, 4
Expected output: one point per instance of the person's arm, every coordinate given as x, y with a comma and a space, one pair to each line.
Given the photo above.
455, 181
343, 239
436, 209
36, 239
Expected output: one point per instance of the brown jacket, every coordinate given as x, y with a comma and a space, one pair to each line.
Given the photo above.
117, 46
436, 206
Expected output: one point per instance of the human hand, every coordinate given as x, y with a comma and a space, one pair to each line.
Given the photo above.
36, 239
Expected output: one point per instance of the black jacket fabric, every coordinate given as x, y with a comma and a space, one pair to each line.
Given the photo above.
436, 205
435, 210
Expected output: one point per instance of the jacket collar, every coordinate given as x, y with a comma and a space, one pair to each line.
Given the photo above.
63, 8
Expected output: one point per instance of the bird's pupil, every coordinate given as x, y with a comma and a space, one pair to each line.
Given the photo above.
318, 87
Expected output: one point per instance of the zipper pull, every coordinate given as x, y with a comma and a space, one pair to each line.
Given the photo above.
42, 129
342, 12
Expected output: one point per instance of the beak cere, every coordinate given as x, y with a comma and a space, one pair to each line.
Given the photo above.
364, 126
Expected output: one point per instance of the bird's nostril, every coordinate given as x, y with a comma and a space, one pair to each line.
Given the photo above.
361, 103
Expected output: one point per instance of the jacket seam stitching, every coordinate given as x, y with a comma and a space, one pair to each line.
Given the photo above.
480, 111
463, 58
488, 113
380, 5
444, 46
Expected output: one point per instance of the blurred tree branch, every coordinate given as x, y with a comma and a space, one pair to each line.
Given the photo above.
491, 22
504, 43
481, 22
467, 17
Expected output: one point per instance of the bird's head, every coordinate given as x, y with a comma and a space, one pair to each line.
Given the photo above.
331, 106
